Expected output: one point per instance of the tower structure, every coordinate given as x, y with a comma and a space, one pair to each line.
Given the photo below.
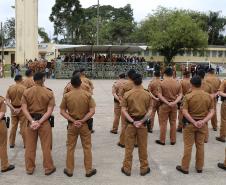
26, 30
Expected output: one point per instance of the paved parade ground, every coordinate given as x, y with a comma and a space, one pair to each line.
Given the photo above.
107, 156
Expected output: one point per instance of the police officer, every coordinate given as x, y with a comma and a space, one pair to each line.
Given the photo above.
5, 166
222, 93
223, 165
186, 87
13, 99
78, 107
28, 82
84, 86
37, 104
117, 107
86, 80
170, 93
208, 89
153, 88
127, 86
136, 107
215, 82
198, 109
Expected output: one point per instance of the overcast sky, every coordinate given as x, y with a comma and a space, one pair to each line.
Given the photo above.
141, 7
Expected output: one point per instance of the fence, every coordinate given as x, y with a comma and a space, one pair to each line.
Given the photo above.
98, 70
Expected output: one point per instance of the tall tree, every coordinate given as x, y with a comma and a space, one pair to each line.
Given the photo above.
9, 32
171, 31
67, 17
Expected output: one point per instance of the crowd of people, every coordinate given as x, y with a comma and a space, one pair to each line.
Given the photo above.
101, 58
194, 98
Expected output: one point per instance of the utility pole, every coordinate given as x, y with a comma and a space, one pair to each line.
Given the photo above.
2, 36
98, 19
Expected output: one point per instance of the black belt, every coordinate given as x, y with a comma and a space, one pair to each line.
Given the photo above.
17, 107
138, 118
89, 123
37, 117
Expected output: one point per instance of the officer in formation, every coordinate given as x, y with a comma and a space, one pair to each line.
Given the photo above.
28, 81
170, 93
117, 107
78, 107
186, 87
198, 109
153, 88
13, 99
136, 104
5, 166
136, 107
127, 86
37, 110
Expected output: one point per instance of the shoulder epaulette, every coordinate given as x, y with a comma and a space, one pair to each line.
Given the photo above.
49, 89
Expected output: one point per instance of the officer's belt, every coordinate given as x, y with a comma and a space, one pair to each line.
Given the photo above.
17, 107
135, 118
37, 116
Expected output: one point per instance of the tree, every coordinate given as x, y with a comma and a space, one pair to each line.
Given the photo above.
171, 31
67, 17
43, 35
78, 25
9, 32
216, 26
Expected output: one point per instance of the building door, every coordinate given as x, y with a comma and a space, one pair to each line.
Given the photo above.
12, 58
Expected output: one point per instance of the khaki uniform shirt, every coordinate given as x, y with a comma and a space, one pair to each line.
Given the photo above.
87, 81
127, 86
186, 86
78, 103
223, 86
207, 87
198, 103
84, 86
214, 81
15, 93
28, 83
117, 85
170, 89
154, 86
137, 101
2, 104
38, 99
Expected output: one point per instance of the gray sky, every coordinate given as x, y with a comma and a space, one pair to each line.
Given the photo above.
141, 7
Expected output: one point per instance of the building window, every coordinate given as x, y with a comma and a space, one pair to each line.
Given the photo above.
195, 53
188, 53
207, 53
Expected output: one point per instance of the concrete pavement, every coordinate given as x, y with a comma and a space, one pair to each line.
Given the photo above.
107, 157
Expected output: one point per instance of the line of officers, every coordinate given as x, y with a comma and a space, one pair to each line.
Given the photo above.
32, 106
191, 101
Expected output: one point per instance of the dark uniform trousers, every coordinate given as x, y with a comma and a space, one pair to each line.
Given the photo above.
131, 134
214, 118
223, 121
45, 135
166, 112
72, 137
117, 115
3, 146
193, 135
155, 108
17, 119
